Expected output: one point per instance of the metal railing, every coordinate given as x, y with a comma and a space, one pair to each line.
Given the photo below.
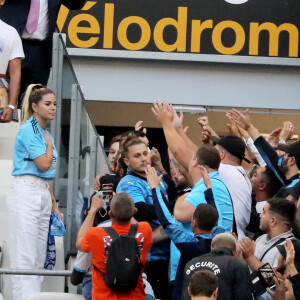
81, 152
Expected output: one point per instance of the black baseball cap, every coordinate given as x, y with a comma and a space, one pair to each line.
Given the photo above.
233, 144
293, 150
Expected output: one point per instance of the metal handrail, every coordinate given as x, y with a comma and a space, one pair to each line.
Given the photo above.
6, 271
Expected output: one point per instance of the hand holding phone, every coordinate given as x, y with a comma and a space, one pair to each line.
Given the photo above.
268, 275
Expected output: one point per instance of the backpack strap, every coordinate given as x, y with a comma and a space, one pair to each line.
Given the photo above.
275, 244
111, 232
101, 273
133, 230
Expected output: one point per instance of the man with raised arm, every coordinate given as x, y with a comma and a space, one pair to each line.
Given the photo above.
232, 151
286, 167
203, 227
192, 160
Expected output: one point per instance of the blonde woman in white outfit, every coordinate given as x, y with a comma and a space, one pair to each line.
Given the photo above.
30, 200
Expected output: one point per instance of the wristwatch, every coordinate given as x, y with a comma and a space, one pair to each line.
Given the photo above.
11, 106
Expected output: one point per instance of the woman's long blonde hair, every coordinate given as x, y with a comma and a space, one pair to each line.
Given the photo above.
34, 94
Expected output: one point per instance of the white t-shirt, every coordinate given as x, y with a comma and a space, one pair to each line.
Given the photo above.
240, 189
10, 46
42, 27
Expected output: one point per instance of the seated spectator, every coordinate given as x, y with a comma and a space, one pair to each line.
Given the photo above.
11, 53
203, 285
204, 219
233, 274
97, 241
276, 221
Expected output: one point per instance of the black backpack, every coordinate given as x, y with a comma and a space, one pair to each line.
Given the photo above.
123, 265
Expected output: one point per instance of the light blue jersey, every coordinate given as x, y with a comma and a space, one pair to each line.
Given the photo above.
221, 196
29, 145
195, 197
138, 188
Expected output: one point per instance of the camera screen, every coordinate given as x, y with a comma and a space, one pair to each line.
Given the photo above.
268, 275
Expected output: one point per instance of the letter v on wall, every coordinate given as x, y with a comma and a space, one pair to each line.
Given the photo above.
64, 12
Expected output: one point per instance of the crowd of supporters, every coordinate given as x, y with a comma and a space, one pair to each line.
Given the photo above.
223, 224
229, 207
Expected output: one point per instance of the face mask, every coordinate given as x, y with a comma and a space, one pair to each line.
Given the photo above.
282, 164
280, 161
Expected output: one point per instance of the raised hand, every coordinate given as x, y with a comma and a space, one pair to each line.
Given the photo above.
290, 251
241, 119
178, 119
287, 131
206, 134
97, 200
156, 160
163, 111
152, 178
139, 126
205, 177
273, 137
232, 125
203, 121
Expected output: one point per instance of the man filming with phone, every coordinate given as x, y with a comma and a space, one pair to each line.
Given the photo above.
276, 221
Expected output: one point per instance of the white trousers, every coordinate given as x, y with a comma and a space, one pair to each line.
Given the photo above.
28, 213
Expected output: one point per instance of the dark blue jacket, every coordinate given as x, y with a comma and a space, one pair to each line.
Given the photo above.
188, 244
